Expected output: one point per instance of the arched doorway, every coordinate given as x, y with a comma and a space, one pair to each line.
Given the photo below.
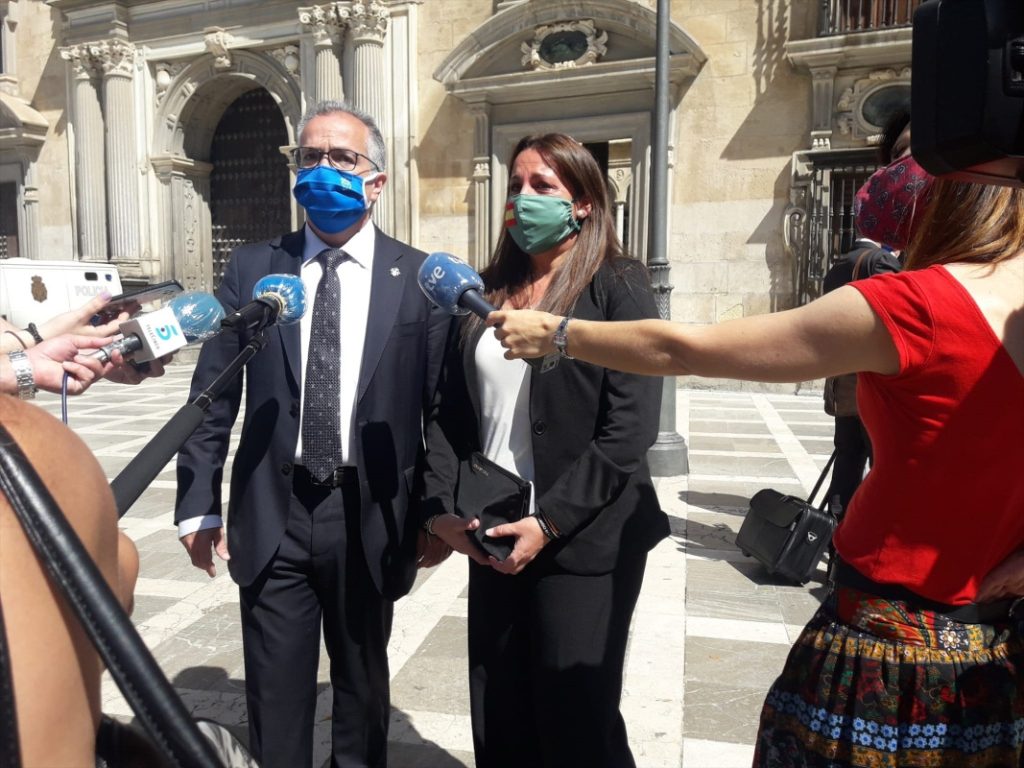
190, 114
249, 181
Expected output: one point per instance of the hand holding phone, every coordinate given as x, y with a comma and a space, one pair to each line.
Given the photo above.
130, 301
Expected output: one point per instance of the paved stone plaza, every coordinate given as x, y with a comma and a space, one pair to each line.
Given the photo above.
710, 632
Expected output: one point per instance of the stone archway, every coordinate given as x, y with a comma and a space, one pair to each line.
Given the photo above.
190, 109
603, 95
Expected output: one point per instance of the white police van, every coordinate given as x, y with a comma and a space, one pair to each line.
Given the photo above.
34, 290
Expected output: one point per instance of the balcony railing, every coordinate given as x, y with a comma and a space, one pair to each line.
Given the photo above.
840, 17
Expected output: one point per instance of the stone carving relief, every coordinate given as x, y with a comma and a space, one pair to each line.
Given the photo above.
288, 57
850, 117
218, 41
325, 22
164, 73
116, 58
83, 64
369, 20
565, 45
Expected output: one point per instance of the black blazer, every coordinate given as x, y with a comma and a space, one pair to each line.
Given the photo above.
402, 357
591, 428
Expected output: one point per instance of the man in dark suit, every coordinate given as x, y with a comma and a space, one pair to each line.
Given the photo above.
319, 523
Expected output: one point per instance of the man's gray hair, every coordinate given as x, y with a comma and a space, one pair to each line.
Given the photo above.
375, 148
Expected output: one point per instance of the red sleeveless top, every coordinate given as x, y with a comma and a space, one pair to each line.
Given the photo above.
944, 502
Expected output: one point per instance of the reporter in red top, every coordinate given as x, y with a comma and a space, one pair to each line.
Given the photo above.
912, 659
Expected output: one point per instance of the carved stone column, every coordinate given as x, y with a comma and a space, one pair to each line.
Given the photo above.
87, 122
823, 83
185, 236
368, 22
117, 59
29, 215
326, 25
481, 246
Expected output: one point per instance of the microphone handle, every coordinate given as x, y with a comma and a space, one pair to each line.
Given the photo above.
125, 346
258, 313
150, 461
478, 305
475, 303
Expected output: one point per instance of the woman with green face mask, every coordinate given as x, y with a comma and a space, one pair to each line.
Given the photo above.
548, 624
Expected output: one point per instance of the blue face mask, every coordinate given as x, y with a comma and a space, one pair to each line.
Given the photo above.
333, 199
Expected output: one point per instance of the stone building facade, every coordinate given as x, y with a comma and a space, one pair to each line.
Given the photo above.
154, 134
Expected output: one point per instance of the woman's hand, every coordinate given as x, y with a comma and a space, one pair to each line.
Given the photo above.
524, 332
530, 540
54, 357
452, 529
79, 321
1005, 580
431, 550
126, 372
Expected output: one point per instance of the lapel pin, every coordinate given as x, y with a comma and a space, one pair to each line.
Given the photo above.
395, 271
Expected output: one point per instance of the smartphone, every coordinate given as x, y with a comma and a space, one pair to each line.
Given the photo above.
131, 299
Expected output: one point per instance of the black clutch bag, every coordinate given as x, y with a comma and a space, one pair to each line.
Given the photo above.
495, 496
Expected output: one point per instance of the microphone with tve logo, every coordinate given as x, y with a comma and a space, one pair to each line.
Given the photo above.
188, 318
277, 298
454, 286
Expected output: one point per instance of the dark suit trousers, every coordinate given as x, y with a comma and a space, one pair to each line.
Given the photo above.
546, 654
319, 572
853, 451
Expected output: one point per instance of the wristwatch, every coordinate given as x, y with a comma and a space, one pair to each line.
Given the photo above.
560, 341
22, 374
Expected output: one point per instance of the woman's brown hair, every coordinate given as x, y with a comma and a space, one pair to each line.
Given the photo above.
596, 243
965, 222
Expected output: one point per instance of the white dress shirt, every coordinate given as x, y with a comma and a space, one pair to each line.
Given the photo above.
355, 274
504, 390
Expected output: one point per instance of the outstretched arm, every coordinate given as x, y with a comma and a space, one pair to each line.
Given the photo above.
838, 333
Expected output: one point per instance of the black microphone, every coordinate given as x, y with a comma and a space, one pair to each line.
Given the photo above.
278, 298
454, 286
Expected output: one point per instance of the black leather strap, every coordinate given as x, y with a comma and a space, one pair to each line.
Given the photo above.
973, 613
10, 751
71, 569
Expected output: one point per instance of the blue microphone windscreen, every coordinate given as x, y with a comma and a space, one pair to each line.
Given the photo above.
444, 278
198, 313
290, 289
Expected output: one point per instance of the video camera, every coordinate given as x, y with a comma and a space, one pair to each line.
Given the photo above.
967, 89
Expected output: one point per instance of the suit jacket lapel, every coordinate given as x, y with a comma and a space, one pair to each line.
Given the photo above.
386, 291
286, 258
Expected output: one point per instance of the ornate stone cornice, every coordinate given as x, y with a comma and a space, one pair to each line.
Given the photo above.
369, 21
325, 22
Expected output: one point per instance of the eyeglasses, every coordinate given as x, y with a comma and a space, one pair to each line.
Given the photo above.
342, 159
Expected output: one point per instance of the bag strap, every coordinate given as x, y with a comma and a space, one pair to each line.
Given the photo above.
72, 571
821, 479
10, 752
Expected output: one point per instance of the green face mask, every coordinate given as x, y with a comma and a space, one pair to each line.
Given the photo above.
539, 222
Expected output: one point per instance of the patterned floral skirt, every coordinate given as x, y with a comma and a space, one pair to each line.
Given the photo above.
872, 683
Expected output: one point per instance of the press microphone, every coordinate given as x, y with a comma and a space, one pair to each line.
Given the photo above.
277, 298
454, 286
189, 318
